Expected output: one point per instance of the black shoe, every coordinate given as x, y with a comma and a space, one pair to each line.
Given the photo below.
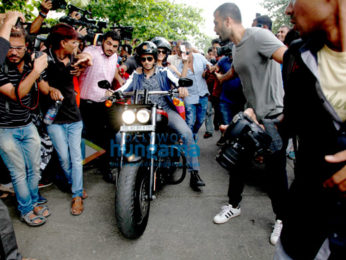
196, 181
221, 141
207, 135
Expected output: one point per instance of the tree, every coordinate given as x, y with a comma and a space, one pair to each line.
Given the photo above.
150, 18
276, 9
19, 5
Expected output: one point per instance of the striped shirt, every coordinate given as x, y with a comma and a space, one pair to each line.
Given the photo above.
12, 113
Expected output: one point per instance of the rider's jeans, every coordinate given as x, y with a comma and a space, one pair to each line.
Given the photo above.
20, 151
179, 126
66, 140
195, 114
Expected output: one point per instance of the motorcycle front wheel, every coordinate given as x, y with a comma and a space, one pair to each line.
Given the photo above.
131, 202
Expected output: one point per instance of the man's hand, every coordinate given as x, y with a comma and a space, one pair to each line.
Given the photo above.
251, 113
84, 60
338, 180
220, 77
40, 63
211, 68
10, 18
55, 94
46, 6
183, 92
82, 31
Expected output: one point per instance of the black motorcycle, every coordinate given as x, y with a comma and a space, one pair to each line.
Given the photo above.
150, 156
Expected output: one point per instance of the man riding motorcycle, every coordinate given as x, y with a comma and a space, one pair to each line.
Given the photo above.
153, 78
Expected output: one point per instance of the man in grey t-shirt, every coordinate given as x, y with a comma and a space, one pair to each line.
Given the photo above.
256, 57
258, 72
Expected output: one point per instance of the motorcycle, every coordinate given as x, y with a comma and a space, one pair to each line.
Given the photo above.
150, 156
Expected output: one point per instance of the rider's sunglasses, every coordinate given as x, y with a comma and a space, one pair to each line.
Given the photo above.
163, 52
144, 59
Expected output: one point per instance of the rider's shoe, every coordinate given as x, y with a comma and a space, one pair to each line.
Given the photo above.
196, 181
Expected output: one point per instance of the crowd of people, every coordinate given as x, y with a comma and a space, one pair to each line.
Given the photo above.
292, 84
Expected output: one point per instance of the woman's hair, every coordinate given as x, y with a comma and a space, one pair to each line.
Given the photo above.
59, 33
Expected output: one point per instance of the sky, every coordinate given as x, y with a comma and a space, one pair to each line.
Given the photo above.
248, 9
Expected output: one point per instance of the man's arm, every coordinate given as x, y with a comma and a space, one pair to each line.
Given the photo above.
230, 74
7, 21
37, 23
45, 89
25, 86
278, 55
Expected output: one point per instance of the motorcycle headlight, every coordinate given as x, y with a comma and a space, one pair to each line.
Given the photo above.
128, 117
143, 116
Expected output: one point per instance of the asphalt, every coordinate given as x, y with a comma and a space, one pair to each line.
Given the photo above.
180, 224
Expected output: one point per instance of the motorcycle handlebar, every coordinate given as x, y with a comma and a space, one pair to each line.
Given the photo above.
119, 96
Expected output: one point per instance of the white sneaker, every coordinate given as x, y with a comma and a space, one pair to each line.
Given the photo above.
274, 237
227, 212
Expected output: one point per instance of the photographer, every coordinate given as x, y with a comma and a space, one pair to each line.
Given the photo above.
19, 141
46, 5
8, 244
314, 78
256, 56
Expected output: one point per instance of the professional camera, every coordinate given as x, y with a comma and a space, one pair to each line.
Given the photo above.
125, 32
225, 49
245, 139
58, 4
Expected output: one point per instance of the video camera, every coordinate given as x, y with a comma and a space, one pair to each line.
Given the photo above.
58, 4
225, 49
125, 32
244, 140
93, 27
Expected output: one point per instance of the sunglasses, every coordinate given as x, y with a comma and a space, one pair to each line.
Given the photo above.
163, 52
144, 59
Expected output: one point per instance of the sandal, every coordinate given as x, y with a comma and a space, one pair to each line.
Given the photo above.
77, 206
41, 210
31, 221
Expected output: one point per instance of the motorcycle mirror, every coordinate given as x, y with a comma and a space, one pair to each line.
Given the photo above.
104, 84
185, 82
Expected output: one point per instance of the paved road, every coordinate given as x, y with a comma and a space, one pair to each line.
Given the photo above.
180, 224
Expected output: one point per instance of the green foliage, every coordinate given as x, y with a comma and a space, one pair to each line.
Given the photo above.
150, 18
276, 9
20, 5
203, 42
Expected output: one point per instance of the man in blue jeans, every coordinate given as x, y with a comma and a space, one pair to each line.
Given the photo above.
19, 140
193, 66
154, 78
